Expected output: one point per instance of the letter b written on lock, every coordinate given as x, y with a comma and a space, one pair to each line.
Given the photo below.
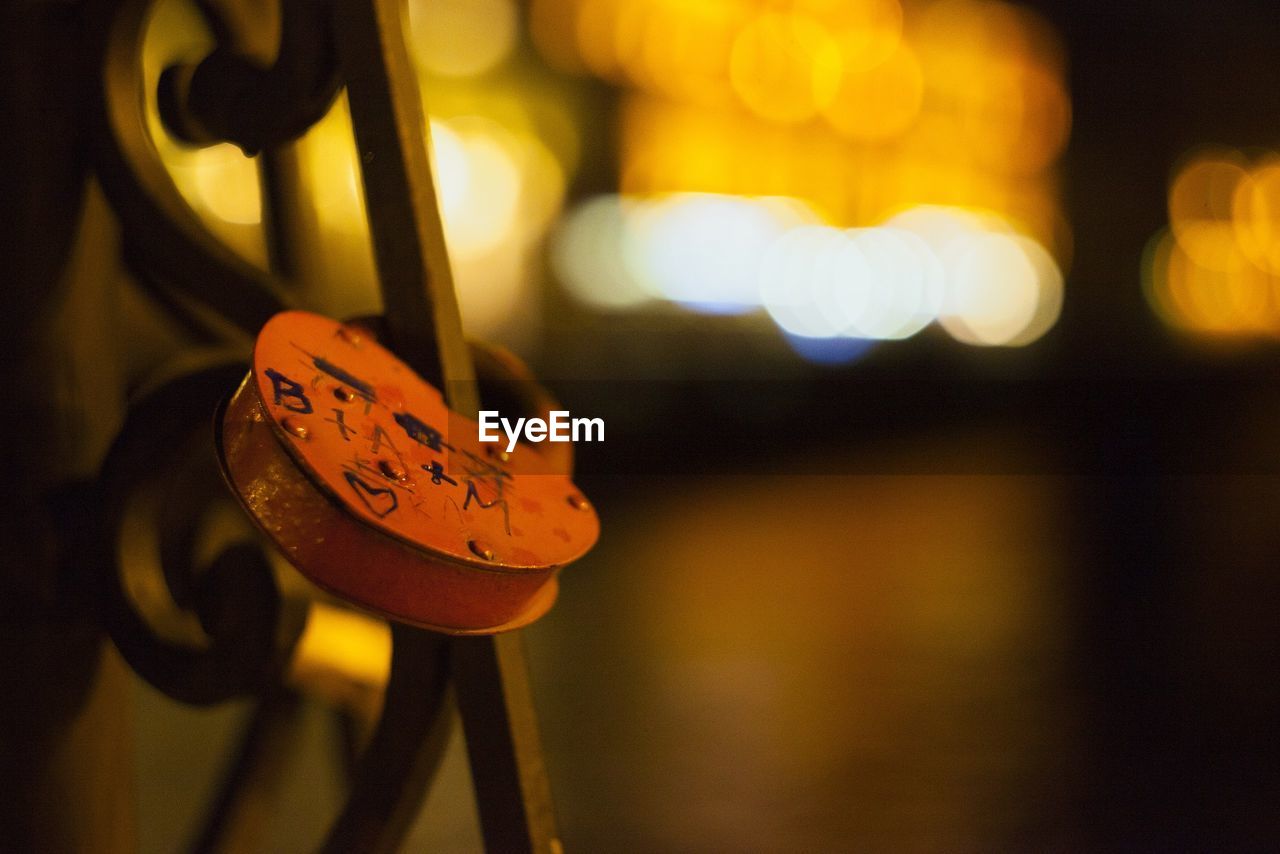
284, 389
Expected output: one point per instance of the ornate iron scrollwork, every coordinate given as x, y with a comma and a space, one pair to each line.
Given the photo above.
199, 614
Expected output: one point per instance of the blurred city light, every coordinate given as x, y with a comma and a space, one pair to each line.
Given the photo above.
784, 67
587, 256
1214, 270
879, 102
703, 250
919, 140
461, 38
479, 183
1256, 214
978, 278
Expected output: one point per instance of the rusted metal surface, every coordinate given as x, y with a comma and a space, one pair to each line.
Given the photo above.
378, 493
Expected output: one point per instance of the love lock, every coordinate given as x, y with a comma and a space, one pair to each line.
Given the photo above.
378, 493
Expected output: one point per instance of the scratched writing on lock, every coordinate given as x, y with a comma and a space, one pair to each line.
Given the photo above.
381, 471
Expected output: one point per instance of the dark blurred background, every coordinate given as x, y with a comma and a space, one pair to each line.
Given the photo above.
936, 344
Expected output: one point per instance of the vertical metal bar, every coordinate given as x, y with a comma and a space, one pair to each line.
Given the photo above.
392, 138
498, 717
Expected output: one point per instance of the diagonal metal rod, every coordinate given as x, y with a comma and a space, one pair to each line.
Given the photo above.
492, 684
421, 310
393, 141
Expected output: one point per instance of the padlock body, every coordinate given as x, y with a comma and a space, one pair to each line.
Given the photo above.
379, 494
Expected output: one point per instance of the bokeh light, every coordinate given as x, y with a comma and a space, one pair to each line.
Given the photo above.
1215, 269
499, 190
830, 351
868, 31
703, 250
1201, 203
219, 182
798, 273
479, 182
981, 280
785, 67
587, 256
1255, 214
879, 102
884, 122
993, 291
461, 38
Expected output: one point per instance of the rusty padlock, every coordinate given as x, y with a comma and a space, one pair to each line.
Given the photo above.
378, 493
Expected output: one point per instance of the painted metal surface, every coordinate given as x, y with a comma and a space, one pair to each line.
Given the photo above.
377, 492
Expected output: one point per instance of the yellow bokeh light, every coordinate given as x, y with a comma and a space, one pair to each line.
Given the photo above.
785, 67
499, 189
685, 49
1205, 186
963, 36
1256, 215
1214, 271
342, 655
500, 186
330, 156
596, 30
1229, 297
461, 38
1019, 119
880, 102
964, 106
451, 168
1201, 205
956, 103
477, 163
1156, 283
868, 31
218, 182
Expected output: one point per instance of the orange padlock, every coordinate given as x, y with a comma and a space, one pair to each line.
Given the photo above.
378, 493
